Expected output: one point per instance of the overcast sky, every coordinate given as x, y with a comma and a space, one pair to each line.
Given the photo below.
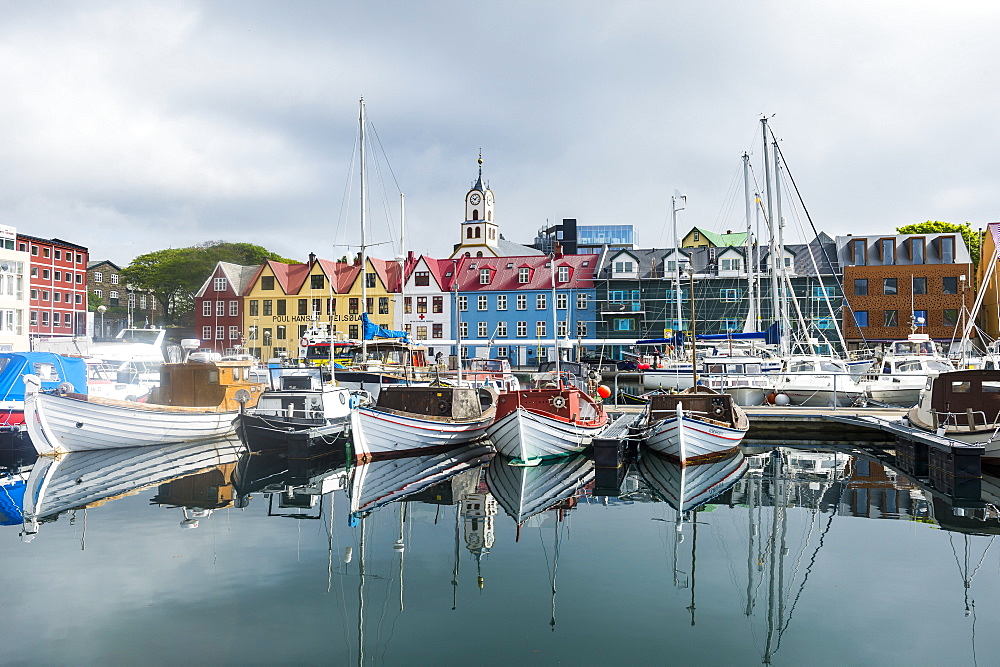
130, 127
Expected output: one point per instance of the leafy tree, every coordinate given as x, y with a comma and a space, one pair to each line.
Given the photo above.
93, 301
972, 239
174, 275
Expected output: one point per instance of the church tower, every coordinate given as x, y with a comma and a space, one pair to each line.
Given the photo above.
480, 234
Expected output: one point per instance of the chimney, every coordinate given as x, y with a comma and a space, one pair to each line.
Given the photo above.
312, 258
557, 249
357, 259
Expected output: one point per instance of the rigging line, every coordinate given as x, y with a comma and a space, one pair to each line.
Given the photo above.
812, 560
808, 217
348, 187
382, 189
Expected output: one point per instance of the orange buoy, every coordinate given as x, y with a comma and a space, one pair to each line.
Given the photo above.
603, 391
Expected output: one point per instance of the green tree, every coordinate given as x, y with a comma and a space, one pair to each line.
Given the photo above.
972, 239
174, 275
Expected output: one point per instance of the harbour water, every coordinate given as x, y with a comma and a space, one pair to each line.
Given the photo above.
786, 556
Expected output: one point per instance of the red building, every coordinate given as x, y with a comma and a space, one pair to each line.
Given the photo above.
57, 281
218, 304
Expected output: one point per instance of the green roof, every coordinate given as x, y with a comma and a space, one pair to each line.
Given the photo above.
723, 240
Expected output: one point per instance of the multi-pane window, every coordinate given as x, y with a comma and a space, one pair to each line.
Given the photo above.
206, 333
407, 304
523, 275
268, 307
919, 285
316, 282
303, 306
369, 304
220, 333
421, 304
482, 330
483, 302
562, 328
98, 277
422, 278
422, 332
581, 329
624, 324
352, 307
254, 307
562, 274
252, 333
562, 301
581, 301
437, 330
730, 264
522, 329
522, 301
484, 276
889, 286
541, 303
114, 278
501, 329
860, 287
501, 302
206, 307
234, 333
220, 307
266, 337
438, 304
281, 332
463, 329
502, 352
624, 267
383, 305
463, 304
267, 282
220, 284
234, 307
540, 328
369, 280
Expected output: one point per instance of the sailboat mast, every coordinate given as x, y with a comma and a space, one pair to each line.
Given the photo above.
752, 315
677, 257
555, 329
776, 309
364, 248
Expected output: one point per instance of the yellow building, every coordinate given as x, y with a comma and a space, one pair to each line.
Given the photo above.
285, 300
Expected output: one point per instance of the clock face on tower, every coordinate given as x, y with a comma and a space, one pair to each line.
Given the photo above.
489, 198
474, 198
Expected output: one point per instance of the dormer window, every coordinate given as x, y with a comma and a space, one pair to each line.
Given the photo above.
422, 278
917, 250
563, 274
946, 249
859, 252
887, 251
624, 266
484, 276
731, 264
524, 275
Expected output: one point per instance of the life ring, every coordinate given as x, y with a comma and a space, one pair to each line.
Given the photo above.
304, 342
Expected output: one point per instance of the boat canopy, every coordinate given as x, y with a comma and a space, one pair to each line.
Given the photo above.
52, 369
372, 330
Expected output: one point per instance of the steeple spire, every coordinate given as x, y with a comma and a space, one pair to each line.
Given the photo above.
479, 182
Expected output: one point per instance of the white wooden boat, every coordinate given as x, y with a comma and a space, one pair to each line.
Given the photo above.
378, 483
406, 420
963, 406
196, 401
524, 491
686, 488
85, 479
694, 426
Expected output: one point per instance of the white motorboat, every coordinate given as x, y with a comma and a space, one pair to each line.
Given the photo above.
300, 407
406, 420
82, 479
817, 381
740, 376
196, 401
694, 425
904, 370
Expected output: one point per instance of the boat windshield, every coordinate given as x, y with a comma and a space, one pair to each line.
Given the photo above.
831, 366
148, 336
938, 365
906, 347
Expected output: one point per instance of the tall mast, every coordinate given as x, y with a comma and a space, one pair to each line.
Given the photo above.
780, 226
752, 314
773, 250
402, 262
364, 248
555, 329
677, 256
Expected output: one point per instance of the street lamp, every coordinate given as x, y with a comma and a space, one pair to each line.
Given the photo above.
102, 309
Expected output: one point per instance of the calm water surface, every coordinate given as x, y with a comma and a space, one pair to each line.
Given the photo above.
783, 556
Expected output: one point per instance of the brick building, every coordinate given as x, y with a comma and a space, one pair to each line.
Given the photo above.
894, 284
126, 305
218, 317
57, 282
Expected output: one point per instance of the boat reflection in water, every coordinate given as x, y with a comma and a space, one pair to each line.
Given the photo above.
80, 480
524, 492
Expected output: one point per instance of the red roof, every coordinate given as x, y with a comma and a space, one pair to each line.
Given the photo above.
505, 272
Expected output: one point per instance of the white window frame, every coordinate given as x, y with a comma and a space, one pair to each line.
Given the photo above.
522, 302
562, 301
483, 302
522, 329
581, 301
501, 329
541, 301
220, 284
482, 330
501, 302
540, 329
524, 275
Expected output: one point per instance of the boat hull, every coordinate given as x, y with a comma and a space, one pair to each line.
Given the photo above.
59, 424
692, 440
382, 433
525, 435
820, 398
260, 432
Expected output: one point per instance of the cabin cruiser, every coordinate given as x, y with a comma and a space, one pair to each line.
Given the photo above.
964, 406
904, 369
816, 381
740, 376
